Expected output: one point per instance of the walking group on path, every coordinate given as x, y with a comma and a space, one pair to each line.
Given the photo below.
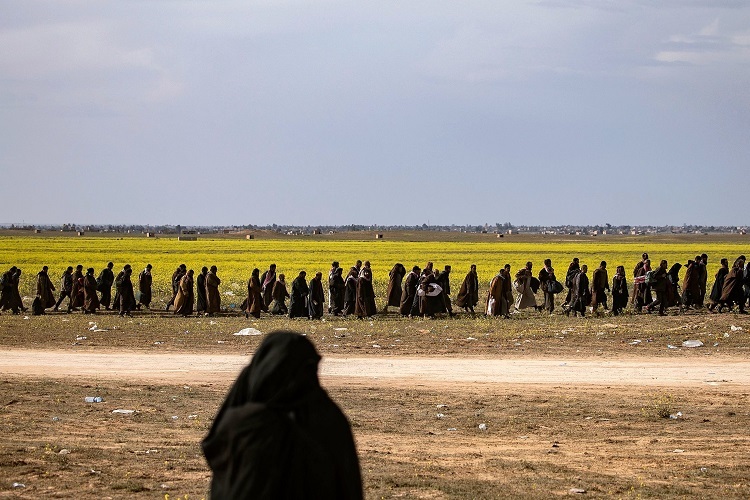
418, 293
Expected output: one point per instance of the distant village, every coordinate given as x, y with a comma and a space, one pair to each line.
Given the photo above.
501, 230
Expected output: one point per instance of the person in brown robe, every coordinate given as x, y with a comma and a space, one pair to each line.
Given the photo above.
350, 291
76, 294
15, 302
267, 280
409, 292
6, 289
547, 278
176, 277
212, 292
254, 303
44, 288
90, 297
619, 291
495, 295
732, 292
702, 280
336, 290
200, 291
280, 294
468, 294
716, 290
316, 300
691, 283
599, 287
104, 285
365, 306
393, 295
183, 303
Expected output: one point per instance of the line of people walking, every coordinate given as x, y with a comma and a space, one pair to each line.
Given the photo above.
417, 293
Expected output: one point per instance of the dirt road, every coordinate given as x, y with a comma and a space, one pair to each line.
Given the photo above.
207, 368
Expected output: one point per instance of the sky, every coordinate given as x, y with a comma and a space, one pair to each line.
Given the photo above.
543, 112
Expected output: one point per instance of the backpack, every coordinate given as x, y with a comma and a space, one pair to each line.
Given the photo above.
651, 277
37, 308
554, 286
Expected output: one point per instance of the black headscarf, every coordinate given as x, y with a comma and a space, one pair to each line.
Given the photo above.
278, 435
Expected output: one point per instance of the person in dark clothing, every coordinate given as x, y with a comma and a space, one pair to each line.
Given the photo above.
331, 291
254, 303
599, 287
298, 302
118, 279
278, 435
673, 285
90, 298
732, 291
104, 285
393, 293
702, 280
76, 294
127, 296
280, 294
201, 302
176, 277
619, 291
317, 300
444, 280
145, 279
365, 306
641, 290
409, 292
691, 283
468, 294
66, 287
581, 296
183, 303
267, 280
350, 291
44, 289
546, 277
573, 269
659, 285
718, 284
427, 301
336, 289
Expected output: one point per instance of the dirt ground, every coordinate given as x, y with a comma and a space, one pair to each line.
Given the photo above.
566, 404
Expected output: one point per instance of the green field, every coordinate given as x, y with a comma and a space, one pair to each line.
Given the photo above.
236, 258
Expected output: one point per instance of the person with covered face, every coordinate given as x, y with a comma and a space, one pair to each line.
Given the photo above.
76, 294
145, 280
691, 287
183, 303
581, 296
280, 294
468, 294
213, 297
522, 283
201, 301
716, 290
104, 285
44, 288
365, 302
732, 292
599, 287
350, 291
393, 293
117, 302
336, 290
660, 287
409, 293
278, 434
176, 277
619, 291
90, 297
267, 280
317, 300
546, 280
66, 288
254, 303
125, 289
300, 292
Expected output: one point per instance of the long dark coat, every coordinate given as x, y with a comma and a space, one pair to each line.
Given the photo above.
468, 294
350, 293
44, 289
267, 288
365, 295
76, 294
254, 301
200, 287
278, 305
213, 298
183, 302
278, 434
317, 299
145, 279
337, 288
395, 277
718, 284
298, 302
408, 293
90, 298
127, 297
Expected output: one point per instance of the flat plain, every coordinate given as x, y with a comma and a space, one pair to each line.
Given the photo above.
417, 438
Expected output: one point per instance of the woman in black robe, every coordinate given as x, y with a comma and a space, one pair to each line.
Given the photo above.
365, 307
350, 291
410, 291
337, 288
619, 291
732, 292
393, 294
298, 302
278, 433
718, 284
200, 291
673, 289
127, 297
581, 296
317, 300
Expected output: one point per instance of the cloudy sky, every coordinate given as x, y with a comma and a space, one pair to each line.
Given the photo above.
375, 112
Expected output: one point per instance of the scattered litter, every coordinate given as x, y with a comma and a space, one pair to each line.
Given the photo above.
19, 485
675, 416
175, 417
26, 317
97, 329
81, 338
55, 419
704, 470
212, 322
376, 346
123, 412
563, 364
716, 344
93, 399
470, 338
229, 292
726, 335
670, 346
158, 342
692, 343
735, 328
221, 341
340, 329
523, 437
451, 429
635, 342
482, 427
440, 415
678, 451
609, 325
192, 416
577, 491
423, 331
249, 331
442, 406
64, 451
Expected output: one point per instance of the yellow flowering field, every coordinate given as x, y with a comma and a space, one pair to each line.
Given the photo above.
236, 258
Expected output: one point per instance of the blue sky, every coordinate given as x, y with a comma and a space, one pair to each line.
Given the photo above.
328, 112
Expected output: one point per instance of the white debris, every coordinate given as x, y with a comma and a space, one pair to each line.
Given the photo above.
81, 338
692, 343
249, 331
340, 329
64, 451
440, 415
123, 412
482, 427
735, 328
470, 338
675, 416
